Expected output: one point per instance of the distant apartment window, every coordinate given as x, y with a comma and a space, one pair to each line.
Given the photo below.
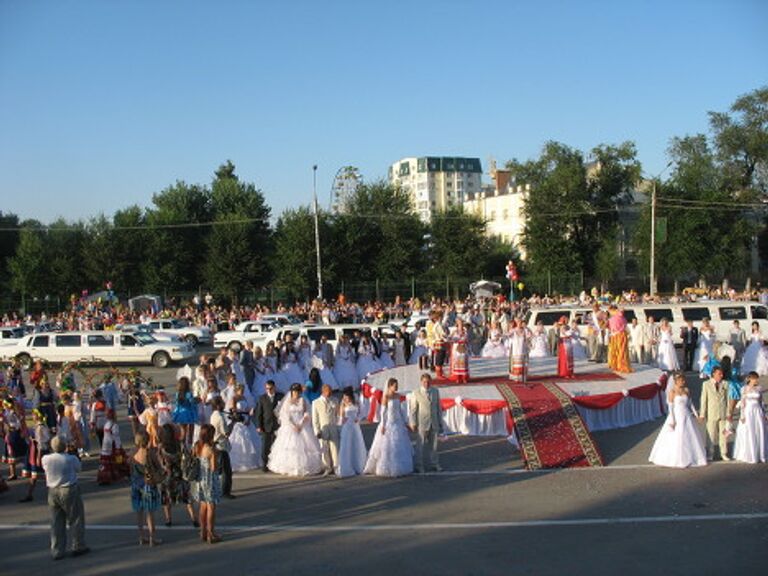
493, 214
505, 214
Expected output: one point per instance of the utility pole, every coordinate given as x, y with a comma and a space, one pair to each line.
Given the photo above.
317, 235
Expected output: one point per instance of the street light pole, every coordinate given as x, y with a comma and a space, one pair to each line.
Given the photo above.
317, 235
653, 240
653, 230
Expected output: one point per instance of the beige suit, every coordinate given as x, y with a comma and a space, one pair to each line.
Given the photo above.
714, 408
426, 417
325, 415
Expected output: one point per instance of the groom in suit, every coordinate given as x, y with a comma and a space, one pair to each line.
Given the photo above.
425, 417
325, 421
266, 420
689, 334
714, 411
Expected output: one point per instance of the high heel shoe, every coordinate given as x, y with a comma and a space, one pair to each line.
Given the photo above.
214, 538
153, 541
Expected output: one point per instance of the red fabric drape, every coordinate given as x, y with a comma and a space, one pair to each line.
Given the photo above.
599, 401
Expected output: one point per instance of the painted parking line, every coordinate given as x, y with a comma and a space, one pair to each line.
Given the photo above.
517, 471
570, 522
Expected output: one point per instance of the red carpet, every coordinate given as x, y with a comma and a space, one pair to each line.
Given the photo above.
549, 429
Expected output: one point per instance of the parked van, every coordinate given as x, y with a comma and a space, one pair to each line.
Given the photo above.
721, 314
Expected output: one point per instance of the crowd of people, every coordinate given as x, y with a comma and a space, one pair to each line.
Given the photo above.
293, 408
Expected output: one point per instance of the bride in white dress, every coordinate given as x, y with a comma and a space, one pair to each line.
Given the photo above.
366, 359
352, 452
494, 346
391, 453
344, 369
296, 451
679, 443
539, 348
706, 345
666, 357
245, 443
751, 444
749, 362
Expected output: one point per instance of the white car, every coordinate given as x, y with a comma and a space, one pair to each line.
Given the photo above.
10, 335
145, 329
257, 331
282, 319
98, 346
182, 328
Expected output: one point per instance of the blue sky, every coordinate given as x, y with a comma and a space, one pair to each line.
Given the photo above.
103, 103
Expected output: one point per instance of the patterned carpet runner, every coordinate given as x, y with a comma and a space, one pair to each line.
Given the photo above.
549, 429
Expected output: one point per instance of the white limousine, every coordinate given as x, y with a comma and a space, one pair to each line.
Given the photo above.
98, 346
720, 313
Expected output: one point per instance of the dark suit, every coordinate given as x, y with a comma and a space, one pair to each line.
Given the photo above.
690, 340
267, 422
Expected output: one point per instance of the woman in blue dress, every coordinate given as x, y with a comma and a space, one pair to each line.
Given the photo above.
185, 410
313, 385
145, 487
206, 490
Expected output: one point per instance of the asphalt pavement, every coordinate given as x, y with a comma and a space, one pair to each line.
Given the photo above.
484, 514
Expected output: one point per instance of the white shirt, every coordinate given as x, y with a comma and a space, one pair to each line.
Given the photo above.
61, 470
220, 438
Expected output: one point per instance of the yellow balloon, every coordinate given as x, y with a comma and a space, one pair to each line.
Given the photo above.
520, 286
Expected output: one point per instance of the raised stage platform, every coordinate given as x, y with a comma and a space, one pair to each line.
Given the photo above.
604, 399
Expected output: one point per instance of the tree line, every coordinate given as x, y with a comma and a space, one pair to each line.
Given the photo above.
582, 216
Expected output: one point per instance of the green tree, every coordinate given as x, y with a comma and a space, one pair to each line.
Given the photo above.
295, 257
177, 228
379, 235
741, 142
459, 246
573, 207
556, 209
704, 238
9, 239
98, 253
65, 251
131, 240
27, 266
239, 243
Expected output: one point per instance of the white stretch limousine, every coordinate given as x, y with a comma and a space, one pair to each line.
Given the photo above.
98, 346
721, 314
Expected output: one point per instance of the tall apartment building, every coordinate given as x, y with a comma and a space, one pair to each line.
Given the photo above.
437, 183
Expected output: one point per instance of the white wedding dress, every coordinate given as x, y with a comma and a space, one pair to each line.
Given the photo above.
751, 444
494, 347
579, 350
366, 362
419, 350
539, 346
666, 357
245, 443
704, 349
352, 452
391, 453
681, 446
295, 453
752, 353
344, 369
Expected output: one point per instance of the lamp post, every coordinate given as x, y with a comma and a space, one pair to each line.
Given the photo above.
653, 230
317, 235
